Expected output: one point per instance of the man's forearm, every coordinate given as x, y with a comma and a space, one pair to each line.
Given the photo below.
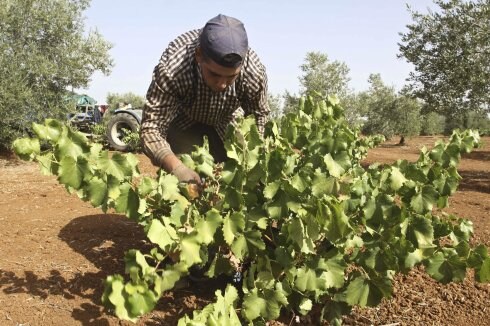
169, 162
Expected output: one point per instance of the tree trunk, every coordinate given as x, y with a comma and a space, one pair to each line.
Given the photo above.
402, 141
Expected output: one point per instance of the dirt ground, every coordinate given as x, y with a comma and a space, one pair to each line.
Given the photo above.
56, 250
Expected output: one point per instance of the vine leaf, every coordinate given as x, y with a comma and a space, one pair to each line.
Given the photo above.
334, 168
71, 171
397, 179
446, 266
163, 235
26, 148
424, 200
364, 292
97, 190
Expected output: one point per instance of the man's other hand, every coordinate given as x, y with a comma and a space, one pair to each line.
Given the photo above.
184, 174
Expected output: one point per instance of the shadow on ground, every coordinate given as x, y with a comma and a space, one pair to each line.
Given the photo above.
103, 239
474, 181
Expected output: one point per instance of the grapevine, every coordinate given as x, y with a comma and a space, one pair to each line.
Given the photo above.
293, 212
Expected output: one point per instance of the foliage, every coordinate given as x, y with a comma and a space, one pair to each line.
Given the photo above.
44, 50
290, 102
116, 100
355, 109
98, 132
275, 106
475, 120
407, 116
433, 124
132, 139
378, 101
478, 121
450, 49
294, 212
325, 78
387, 112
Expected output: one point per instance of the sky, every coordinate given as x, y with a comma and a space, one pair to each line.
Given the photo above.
361, 33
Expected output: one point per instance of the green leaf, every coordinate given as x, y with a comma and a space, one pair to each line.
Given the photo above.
178, 213
446, 266
259, 217
307, 280
136, 265
146, 186
219, 265
483, 272
254, 238
334, 168
424, 200
299, 183
141, 303
128, 201
278, 208
296, 233
168, 279
336, 224
364, 292
239, 247
205, 168
163, 235
420, 232
189, 250
253, 306
271, 189
206, 228
113, 190
305, 306
47, 164
334, 268
51, 130
97, 191
115, 295
333, 312
71, 172
414, 258
26, 148
233, 199
72, 144
397, 179
117, 165
232, 224
323, 185
267, 304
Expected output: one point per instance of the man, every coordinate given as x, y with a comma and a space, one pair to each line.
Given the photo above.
202, 80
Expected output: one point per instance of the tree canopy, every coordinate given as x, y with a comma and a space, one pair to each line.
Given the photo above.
324, 77
450, 49
45, 52
387, 112
116, 100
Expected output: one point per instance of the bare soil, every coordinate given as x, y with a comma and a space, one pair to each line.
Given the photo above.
55, 252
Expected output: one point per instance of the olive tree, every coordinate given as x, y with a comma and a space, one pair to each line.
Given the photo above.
324, 77
45, 52
388, 112
116, 100
450, 50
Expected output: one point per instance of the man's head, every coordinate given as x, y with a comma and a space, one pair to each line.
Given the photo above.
223, 45
224, 40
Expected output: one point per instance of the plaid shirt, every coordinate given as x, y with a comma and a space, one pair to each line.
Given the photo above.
178, 94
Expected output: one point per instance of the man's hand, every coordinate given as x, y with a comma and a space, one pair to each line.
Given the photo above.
184, 174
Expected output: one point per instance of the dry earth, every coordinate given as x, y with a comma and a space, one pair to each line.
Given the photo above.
56, 250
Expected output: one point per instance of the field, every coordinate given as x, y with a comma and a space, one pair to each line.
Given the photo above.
56, 250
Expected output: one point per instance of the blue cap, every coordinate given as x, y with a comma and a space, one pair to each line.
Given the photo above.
224, 40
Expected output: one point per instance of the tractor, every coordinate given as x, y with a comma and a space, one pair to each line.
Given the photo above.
122, 121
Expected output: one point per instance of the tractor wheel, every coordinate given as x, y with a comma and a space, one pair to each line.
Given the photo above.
115, 132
